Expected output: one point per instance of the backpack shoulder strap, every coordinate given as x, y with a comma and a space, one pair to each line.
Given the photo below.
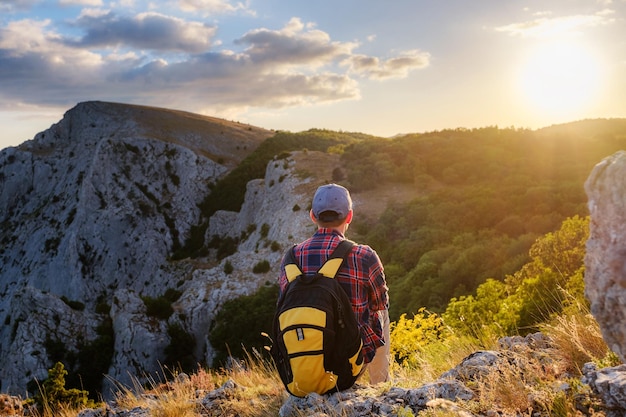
330, 267
292, 270
336, 259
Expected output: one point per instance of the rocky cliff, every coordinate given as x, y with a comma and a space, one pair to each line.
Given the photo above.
605, 259
92, 210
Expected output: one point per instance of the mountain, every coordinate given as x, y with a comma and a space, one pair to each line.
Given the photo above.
92, 210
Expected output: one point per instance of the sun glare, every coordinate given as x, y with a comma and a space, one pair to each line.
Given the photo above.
560, 78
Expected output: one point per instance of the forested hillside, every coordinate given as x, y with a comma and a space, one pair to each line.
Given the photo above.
482, 197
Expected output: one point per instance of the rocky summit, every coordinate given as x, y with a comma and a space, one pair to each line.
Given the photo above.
92, 210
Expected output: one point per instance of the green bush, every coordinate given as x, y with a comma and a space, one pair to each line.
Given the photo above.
179, 352
160, 308
265, 229
261, 267
172, 295
239, 324
225, 246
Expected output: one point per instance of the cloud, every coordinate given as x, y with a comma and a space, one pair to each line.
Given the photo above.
92, 3
398, 67
145, 31
209, 7
293, 46
546, 27
15, 5
129, 59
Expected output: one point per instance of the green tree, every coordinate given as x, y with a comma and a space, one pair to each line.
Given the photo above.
54, 395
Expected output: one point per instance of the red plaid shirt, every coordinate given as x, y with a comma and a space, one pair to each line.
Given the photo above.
361, 277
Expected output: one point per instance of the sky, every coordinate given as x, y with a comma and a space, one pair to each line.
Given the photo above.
376, 67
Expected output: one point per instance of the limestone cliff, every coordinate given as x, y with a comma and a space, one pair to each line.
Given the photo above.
91, 211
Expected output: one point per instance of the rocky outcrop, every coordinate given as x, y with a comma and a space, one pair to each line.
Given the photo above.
605, 259
610, 386
91, 211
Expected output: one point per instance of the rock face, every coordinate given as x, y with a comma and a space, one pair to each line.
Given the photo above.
91, 211
605, 260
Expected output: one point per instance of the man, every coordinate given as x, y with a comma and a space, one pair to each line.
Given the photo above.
362, 276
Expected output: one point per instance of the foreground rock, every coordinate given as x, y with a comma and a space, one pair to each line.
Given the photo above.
605, 260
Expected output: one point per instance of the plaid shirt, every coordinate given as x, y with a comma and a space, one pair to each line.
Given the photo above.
361, 277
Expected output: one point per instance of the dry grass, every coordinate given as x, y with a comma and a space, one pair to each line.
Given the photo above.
258, 392
578, 340
61, 411
546, 382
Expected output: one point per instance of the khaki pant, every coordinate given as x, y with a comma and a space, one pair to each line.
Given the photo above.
379, 366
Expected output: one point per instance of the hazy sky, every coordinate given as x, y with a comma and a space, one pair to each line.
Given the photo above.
378, 67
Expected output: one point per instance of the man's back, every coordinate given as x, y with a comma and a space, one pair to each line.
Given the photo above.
362, 279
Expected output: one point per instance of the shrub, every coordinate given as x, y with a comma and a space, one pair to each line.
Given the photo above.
53, 395
265, 229
172, 294
179, 353
103, 308
410, 335
240, 321
225, 247
261, 267
160, 308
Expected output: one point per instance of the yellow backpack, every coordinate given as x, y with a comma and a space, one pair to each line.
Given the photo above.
317, 343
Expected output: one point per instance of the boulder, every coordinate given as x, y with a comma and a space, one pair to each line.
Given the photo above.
605, 259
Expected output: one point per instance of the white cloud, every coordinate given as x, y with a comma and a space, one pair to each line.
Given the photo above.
209, 7
397, 67
294, 46
15, 5
93, 3
148, 30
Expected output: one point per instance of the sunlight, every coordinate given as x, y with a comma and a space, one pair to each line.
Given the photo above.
560, 77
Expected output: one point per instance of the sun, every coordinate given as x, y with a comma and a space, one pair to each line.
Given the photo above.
560, 77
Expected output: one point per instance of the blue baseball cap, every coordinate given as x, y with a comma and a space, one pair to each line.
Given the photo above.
333, 201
